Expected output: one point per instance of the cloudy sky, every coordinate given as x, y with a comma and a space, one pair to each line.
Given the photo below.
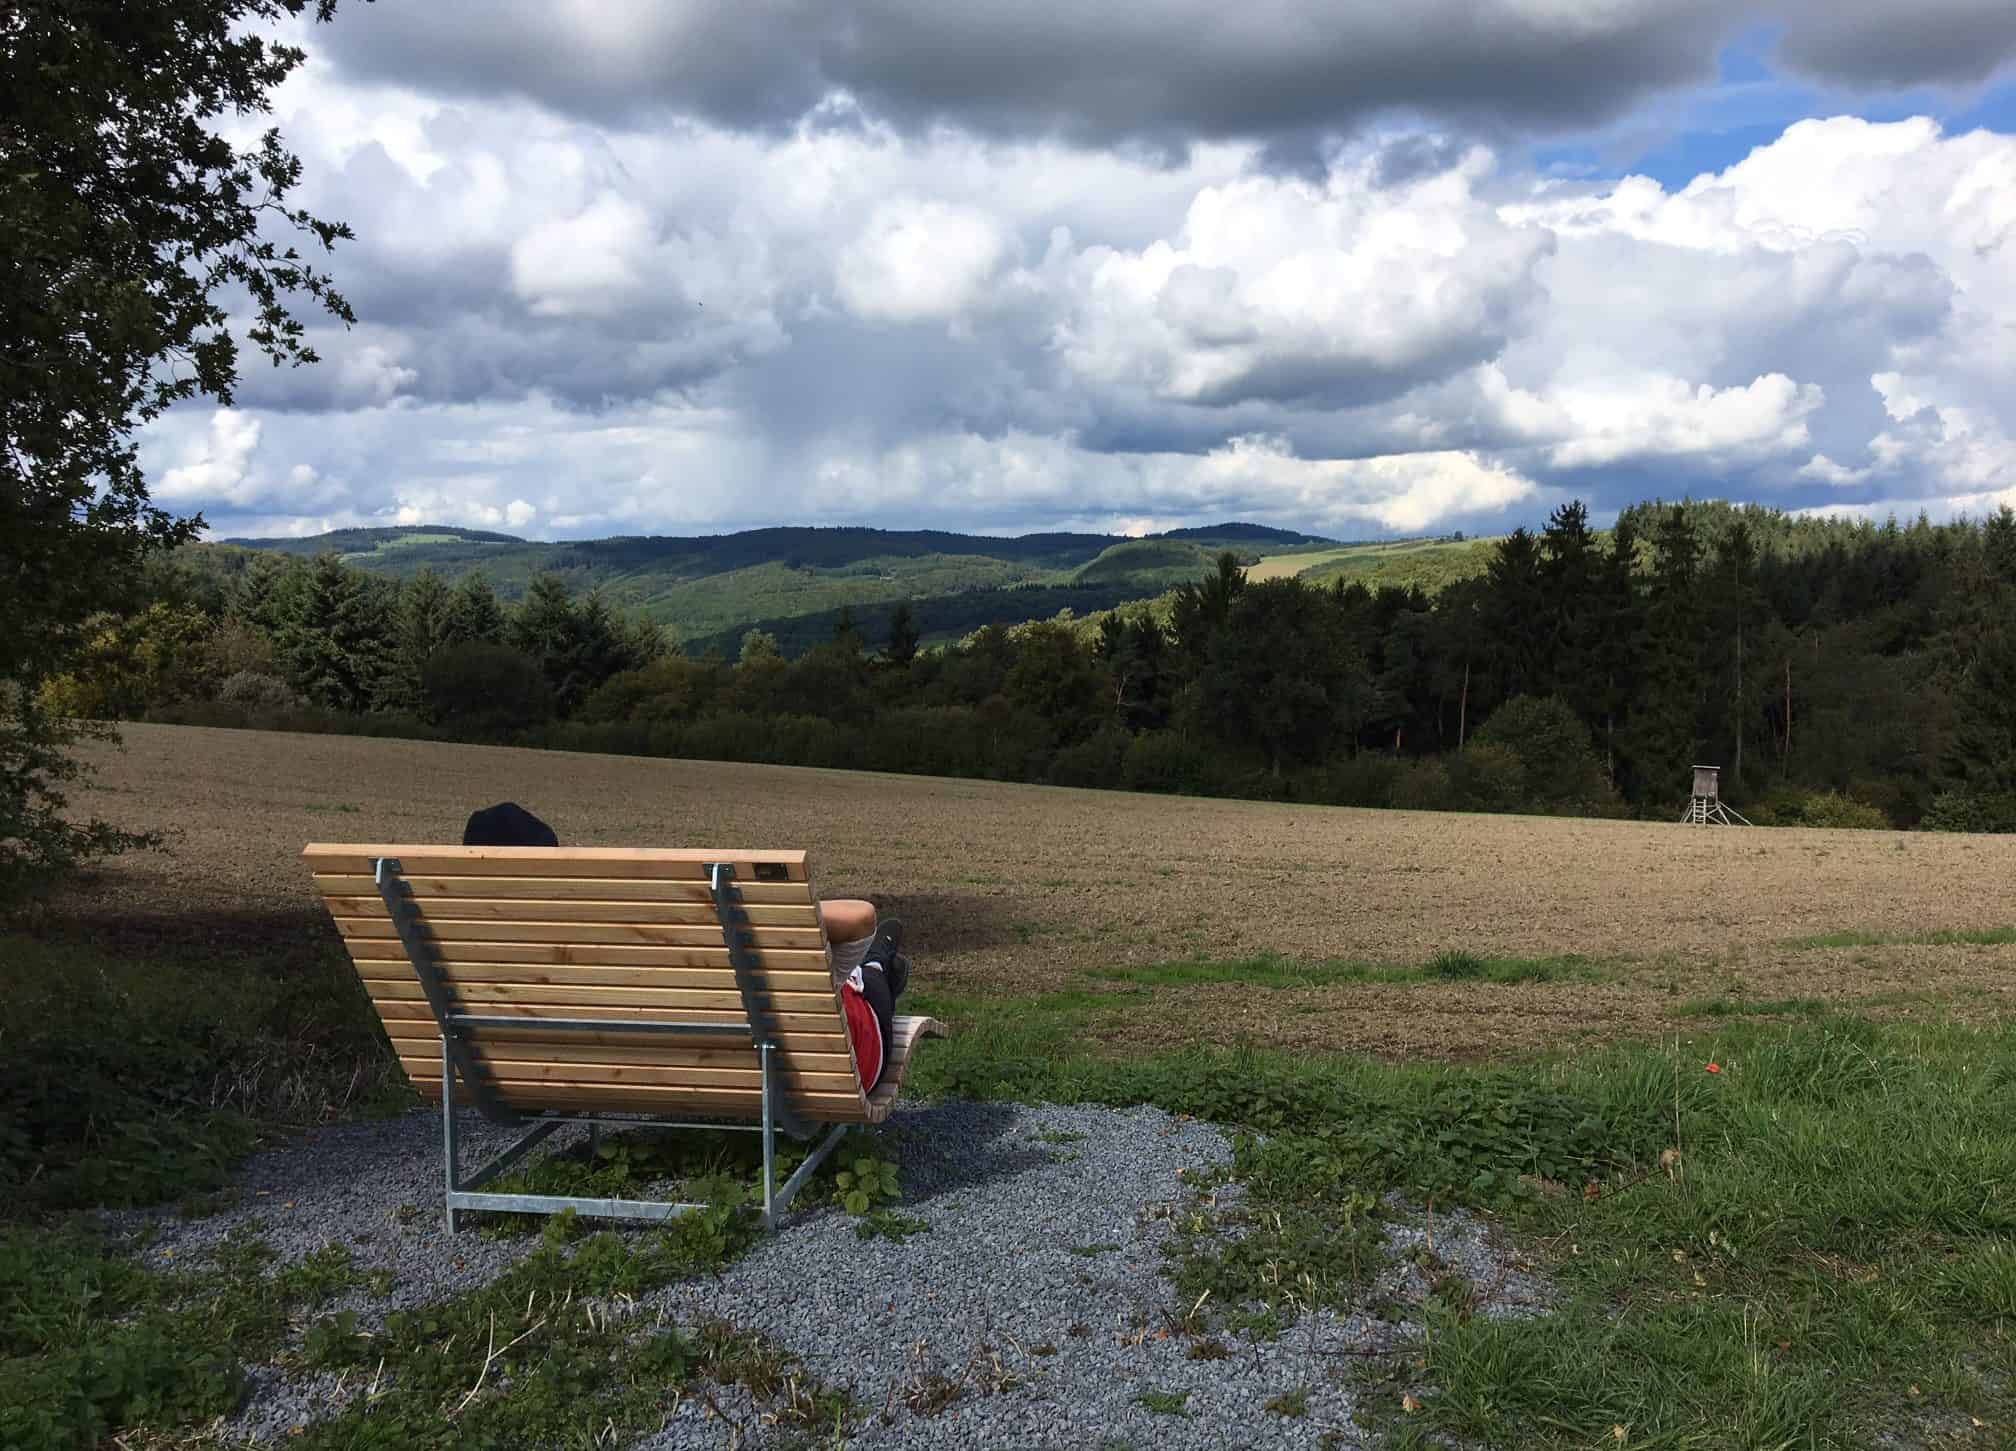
625, 266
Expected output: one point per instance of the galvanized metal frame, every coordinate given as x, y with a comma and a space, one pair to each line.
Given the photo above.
457, 1061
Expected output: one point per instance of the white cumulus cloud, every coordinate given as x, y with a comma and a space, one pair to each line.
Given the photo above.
918, 260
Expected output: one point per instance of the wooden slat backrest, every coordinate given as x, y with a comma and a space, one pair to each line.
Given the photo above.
617, 933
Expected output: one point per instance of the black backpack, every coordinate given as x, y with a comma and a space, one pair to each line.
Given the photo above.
507, 824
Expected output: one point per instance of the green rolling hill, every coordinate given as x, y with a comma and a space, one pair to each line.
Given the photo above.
794, 582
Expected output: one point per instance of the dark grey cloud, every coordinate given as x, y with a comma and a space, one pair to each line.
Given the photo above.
1158, 72
1896, 46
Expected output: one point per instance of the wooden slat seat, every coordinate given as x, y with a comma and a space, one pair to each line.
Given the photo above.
614, 936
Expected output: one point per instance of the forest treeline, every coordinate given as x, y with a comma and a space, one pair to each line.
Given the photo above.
1840, 673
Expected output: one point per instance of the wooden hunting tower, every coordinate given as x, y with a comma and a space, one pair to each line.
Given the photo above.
1706, 808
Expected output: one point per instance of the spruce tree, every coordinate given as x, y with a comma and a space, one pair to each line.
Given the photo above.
474, 617
1520, 618
1568, 566
903, 636
1664, 736
1617, 624
337, 639
423, 621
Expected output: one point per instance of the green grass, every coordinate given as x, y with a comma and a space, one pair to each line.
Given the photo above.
1725, 1006
93, 1343
1274, 973
1835, 1231
1982, 937
1430, 563
1829, 1256
126, 1081
1292, 1404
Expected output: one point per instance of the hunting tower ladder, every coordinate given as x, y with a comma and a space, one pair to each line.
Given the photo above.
1706, 809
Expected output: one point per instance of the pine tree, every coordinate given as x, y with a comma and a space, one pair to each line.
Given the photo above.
337, 640
903, 636
846, 634
1664, 734
646, 641
259, 596
423, 619
1568, 567
1981, 760
1617, 622
474, 617
547, 628
1520, 619
1735, 609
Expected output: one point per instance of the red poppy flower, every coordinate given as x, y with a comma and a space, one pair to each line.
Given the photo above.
1714, 1067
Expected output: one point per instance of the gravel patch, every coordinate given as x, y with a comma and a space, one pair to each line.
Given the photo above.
372, 1188
1036, 1293
1030, 1312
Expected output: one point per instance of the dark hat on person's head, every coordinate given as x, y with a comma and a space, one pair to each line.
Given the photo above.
507, 824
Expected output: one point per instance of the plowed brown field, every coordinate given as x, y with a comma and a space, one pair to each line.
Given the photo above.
1009, 887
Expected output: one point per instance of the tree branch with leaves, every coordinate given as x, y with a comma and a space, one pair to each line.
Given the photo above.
137, 243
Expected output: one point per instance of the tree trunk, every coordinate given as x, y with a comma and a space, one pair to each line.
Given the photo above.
1463, 708
1786, 758
1737, 774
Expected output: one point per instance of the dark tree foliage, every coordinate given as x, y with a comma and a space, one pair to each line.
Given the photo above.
903, 637
1864, 673
484, 690
126, 223
337, 635
1278, 676
1521, 620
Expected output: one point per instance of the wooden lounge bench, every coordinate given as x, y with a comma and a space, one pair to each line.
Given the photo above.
607, 985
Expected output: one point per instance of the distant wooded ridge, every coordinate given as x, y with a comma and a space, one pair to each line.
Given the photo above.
794, 583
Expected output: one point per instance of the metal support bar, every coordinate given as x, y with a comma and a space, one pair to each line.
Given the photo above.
646, 1209
448, 1146
773, 1210
769, 1132
651, 1123
602, 1025
540, 1131
755, 999
412, 932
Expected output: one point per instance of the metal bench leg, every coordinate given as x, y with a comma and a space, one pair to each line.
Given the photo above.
769, 1140
448, 1146
797, 1181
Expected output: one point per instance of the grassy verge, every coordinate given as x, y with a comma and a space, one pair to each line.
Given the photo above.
1973, 937
96, 1349
128, 1080
1274, 973
1764, 1235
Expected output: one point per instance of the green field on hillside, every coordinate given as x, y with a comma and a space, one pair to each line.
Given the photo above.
1430, 563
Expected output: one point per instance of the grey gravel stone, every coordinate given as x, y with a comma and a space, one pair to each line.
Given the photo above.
1025, 1342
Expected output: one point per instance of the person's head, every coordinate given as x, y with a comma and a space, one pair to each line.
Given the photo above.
507, 824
